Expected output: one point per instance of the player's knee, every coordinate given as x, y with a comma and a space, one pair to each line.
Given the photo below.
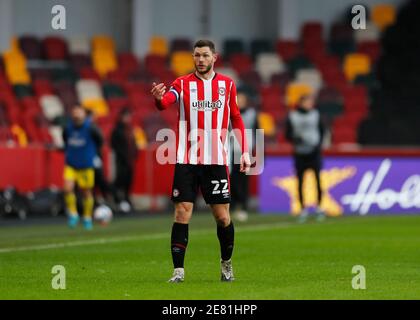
182, 213
86, 193
223, 220
68, 187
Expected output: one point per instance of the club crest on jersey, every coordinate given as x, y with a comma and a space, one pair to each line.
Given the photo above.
204, 105
222, 91
175, 193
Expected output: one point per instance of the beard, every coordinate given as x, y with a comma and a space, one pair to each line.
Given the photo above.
206, 70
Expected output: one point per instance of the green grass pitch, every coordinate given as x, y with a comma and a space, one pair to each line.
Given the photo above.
274, 258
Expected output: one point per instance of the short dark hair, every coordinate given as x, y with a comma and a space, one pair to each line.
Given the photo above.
205, 43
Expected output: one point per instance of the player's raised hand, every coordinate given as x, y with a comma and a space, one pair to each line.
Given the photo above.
158, 90
245, 162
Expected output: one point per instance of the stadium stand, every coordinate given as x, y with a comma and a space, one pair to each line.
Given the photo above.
352, 72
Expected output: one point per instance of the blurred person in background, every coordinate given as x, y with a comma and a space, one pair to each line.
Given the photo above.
125, 149
305, 130
102, 189
239, 180
81, 138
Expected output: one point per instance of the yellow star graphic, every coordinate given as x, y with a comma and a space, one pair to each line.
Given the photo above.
329, 179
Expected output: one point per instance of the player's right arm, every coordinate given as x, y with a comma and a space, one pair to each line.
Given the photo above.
65, 136
164, 99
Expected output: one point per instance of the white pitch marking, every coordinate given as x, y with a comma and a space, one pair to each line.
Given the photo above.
261, 227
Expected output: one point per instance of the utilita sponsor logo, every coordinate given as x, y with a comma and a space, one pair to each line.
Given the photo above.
203, 105
369, 193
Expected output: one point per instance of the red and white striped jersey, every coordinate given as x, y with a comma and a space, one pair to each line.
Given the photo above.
206, 108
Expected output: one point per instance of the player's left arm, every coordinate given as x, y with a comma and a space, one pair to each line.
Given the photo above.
97, 136
321, 128
239, 129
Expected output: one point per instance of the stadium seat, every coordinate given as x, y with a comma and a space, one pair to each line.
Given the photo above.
383, 15
158, 46
80, 60
341, 39
251, 79
297, 63
267, 123
370, 48
103, 43
16, 68
259, 46
333, 76
181, 44
311, 77
52, 107
23, 90
314, 50
128, 62
311, 30
111, 90
344, 134
272, 101
67, 93
88, 73
287, 49
268, 64
20, 134
294, 91
241, 62
369, 81
64, 74
97, 106
356, 64
371, 33
79, 45
155, 64
182, 62
31, 47
55, 48
42, 87
330, 109
232, 46
88, 89
282, 79
104, 61
140, 137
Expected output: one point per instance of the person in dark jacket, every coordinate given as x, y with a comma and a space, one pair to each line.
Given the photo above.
239, 181
125, 150
305, 130
81, 140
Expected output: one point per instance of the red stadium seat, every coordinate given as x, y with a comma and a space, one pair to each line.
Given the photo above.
311, 30
80, 60
55, 48
89, 73
344, 134
42, 87
241, 62
128, 62
31, 47
155, 64
370, 48
181, 44
287, 49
